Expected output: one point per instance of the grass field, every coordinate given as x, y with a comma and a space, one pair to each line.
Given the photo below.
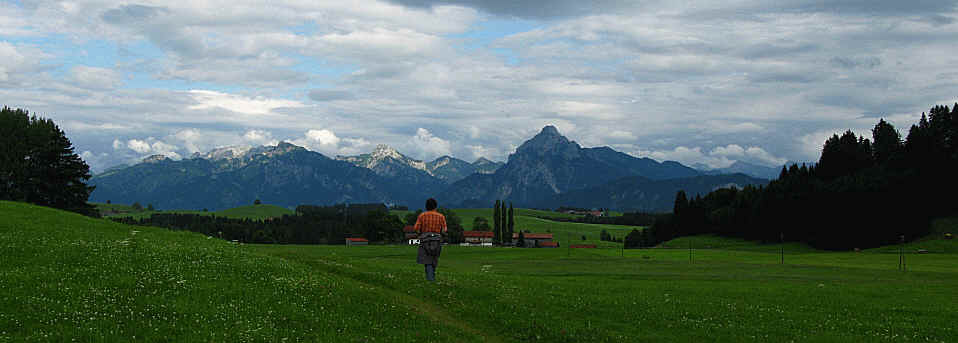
66, 276
262, 211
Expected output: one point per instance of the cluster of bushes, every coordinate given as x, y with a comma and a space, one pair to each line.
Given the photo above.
861, 193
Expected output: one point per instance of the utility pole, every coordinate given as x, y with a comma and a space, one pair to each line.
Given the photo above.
690, 250
782, 241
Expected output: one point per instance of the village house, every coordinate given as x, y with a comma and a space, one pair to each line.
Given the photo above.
478, 237
533, 239
356, 241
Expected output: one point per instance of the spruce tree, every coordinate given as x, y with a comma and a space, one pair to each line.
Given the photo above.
38, 164
512, 223
497, 223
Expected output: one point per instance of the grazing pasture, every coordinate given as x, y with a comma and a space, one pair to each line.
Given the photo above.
65, 276
262, 211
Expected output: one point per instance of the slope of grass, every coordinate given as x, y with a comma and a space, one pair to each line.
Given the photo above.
255, 212
262, 211
66, 277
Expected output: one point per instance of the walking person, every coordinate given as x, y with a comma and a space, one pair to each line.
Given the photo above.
430, 225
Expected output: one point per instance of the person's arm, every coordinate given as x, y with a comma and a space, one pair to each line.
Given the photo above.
444, 228
418, 225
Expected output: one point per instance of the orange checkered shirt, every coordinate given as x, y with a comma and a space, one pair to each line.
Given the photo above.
431, 221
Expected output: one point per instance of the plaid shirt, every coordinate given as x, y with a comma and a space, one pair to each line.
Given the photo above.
431, 221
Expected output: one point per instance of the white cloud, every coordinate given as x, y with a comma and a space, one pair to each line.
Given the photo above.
260, 137
427, 146
95, 78
206, 99
139, 146
322, 137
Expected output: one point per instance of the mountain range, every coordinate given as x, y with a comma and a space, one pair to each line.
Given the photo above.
546, 171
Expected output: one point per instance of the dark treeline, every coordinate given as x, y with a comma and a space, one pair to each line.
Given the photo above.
862, 193
310, 225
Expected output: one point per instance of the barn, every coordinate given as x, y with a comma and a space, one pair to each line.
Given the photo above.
356, 241
478, 237
533, 239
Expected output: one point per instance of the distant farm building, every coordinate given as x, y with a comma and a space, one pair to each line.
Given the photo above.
549, 245
595, 213
356, 241
478, 237
533, 239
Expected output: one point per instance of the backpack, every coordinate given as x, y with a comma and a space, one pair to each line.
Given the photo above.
432, 244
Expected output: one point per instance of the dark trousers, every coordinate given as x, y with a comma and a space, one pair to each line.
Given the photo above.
431, 272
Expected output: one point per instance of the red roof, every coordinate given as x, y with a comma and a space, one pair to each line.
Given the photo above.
409, 228
548, 244
479, 234
533, 236
357, 239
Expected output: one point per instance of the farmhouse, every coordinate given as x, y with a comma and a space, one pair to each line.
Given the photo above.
549, 245
356, 241
478, 237
533, 239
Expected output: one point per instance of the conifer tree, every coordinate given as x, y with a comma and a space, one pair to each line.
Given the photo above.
38, 164
512, 223
497, 223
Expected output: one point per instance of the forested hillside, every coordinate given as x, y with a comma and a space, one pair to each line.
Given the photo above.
862, 193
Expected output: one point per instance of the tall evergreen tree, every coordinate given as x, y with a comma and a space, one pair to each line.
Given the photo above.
887, 142
504, 212
512, 224
497, 223
38, 164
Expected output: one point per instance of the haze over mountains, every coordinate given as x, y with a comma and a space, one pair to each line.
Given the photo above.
546, 171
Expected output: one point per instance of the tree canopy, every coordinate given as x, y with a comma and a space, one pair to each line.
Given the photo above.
38, 164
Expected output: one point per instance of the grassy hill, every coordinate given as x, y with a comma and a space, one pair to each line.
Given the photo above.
66, 277
262, 211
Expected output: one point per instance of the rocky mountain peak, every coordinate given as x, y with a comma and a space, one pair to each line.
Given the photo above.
225, 153
549, 143
155, 158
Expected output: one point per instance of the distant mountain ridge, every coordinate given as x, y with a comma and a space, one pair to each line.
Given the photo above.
550, 164
386, 161
285, 175
546, 171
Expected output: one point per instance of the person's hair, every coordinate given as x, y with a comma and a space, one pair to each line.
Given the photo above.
431, 204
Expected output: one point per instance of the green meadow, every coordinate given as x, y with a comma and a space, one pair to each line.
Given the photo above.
67, 277
262, 211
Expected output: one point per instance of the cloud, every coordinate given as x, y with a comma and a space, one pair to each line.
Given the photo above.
426, 146
139, 146
718, 157
206, 99
95, 78
322, 137
330, 95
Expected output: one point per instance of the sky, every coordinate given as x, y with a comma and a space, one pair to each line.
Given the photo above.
703, 83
